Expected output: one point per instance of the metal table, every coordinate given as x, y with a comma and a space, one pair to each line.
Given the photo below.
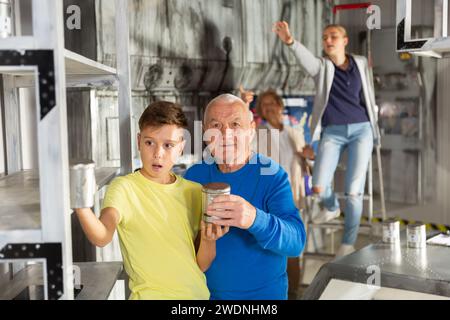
97, 281
418, 270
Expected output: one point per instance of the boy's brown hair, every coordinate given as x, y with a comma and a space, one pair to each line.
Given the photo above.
161, 113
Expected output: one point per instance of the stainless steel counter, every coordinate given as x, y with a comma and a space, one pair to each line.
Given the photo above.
425, 271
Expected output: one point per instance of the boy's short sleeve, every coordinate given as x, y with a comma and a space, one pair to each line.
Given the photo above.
116, 197
197, 208
194, 194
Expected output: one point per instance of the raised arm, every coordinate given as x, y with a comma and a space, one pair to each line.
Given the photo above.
307, 60
246, 96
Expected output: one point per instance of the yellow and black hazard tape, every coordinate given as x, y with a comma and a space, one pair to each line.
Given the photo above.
403, 222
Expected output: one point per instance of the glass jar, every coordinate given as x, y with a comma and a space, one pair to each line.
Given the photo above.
209, 193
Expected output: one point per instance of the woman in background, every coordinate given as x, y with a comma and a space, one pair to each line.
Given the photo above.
344, 118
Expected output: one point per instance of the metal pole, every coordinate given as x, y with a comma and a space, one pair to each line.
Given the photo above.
53, 151
444, 18
5, 19
380, 176
370, 192
124, 99
378, 148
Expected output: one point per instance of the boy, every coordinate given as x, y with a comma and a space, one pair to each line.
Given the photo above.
157, 215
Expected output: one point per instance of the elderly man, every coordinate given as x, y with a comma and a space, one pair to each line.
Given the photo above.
266, 227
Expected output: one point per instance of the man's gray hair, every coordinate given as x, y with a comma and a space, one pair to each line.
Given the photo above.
228, 99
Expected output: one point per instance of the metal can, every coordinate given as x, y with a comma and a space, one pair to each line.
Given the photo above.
5, 19
209, 192
82, 184
391, 231
416, 236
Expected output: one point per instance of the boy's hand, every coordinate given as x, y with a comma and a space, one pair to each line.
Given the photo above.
246, 96
281, 28
212, 232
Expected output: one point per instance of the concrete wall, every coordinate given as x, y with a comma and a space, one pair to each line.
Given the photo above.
355, 20
422, 13
2, 147
443, 141
211, 46
190, 51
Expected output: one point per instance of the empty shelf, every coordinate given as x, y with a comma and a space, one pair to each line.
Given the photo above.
20, 201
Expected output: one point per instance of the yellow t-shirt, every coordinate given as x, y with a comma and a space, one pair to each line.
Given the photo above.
157, 229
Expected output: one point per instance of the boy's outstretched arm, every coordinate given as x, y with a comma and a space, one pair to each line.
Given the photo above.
99, 231
206, 244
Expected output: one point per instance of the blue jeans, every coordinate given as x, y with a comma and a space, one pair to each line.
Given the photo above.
357, 138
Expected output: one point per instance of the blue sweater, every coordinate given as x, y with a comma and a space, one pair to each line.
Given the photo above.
251, 264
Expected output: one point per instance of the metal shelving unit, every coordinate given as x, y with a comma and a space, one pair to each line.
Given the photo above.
97, 285
35, 213
20, 209
80, 72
